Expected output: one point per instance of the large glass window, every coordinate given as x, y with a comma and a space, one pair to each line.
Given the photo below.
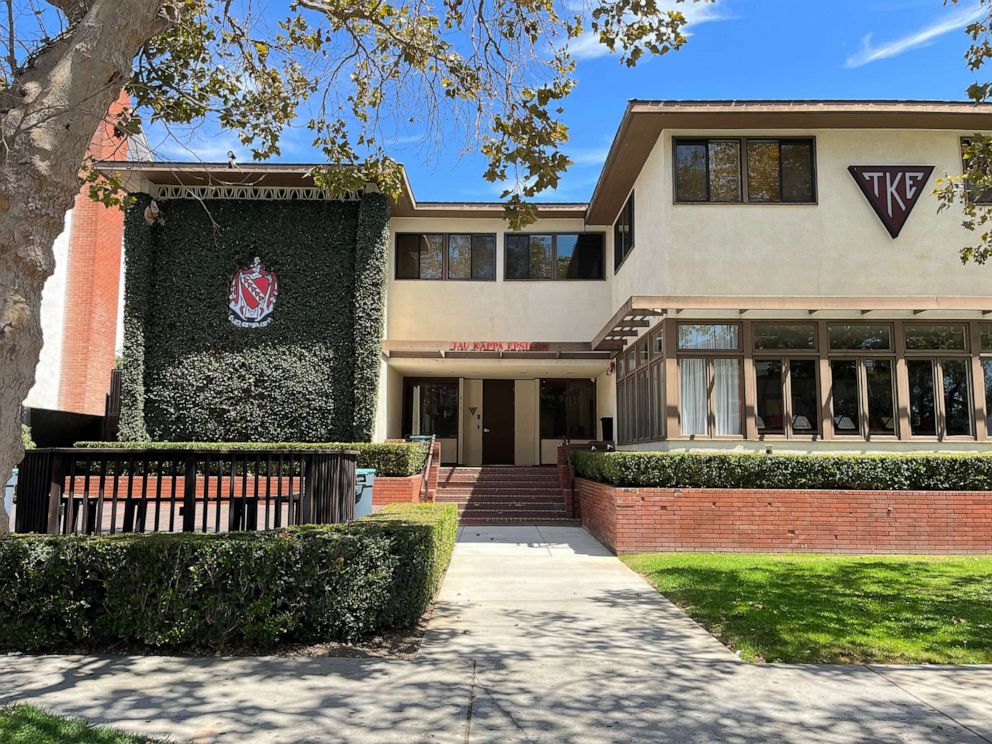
881, 410
922, 400
844, 396
928, 336
554, 256
957, 401
431, 407
987, 374
784, 336
623, 233
770, 403
774, 171
568, 409
860, 337
709, 336
804, 416
445, 256
697, 395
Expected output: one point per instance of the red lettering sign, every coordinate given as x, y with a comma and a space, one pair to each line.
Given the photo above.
499, 346
892, 190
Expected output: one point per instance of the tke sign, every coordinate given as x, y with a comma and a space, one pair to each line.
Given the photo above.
892, 190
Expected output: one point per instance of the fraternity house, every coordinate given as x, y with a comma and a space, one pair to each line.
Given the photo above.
746, 275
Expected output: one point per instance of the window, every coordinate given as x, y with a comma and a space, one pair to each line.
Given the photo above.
862, 397
445, 256
430, 407
705, 384
554, 256
568, 409
771, 171
987, 374
935, 337
641, 391
984, 197
860, 337
623, 233
939, 397
787, 397
783, 336
709, 336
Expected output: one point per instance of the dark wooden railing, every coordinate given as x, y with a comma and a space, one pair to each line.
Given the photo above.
81, 490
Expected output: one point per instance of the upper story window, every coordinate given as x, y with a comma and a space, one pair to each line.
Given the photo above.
745, 170
554, 256
623, 233
454, 256
983, 197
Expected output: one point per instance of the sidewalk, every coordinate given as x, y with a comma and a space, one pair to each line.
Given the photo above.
539, 635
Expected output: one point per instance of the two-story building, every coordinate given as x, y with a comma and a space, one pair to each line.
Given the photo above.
757, 274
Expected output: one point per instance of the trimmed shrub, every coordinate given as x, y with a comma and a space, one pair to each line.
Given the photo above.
909, 472
222, 593
423, 539
390, 459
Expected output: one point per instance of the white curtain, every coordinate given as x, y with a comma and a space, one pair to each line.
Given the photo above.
727, 389
692, 389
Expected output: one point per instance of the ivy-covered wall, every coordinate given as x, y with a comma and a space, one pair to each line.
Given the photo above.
310, 375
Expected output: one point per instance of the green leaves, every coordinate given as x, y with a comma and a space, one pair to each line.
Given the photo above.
310, 376
222, 593
491, 72
965, 472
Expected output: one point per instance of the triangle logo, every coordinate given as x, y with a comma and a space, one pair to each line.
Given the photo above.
892, 190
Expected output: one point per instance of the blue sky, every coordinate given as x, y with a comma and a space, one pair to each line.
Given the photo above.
737, 49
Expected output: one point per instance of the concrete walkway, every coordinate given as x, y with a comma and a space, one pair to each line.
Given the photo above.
539, 635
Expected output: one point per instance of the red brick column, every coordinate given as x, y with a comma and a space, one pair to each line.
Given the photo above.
93, 286
390, 490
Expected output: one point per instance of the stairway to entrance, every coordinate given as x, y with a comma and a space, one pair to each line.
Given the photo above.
504, 495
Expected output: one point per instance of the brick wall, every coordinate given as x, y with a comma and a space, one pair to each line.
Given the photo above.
92, 287
396, 490
630, 520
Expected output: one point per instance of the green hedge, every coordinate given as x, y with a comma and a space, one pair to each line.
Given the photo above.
222, 593
310, 375
390, 459
931, 472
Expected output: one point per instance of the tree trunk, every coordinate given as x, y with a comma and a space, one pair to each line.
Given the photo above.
47, 119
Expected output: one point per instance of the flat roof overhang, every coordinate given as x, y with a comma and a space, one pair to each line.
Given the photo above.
544, 351
146, 177
641, 311
644, 121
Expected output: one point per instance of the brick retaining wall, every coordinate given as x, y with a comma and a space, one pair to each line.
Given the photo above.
630, 520
388, 490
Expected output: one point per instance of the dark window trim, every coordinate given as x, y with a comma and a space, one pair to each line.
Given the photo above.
742, 167
444, 256
623, 258
406, 424
554, 254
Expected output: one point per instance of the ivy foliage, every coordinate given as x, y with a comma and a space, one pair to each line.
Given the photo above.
310, 375
222, 593
929, 472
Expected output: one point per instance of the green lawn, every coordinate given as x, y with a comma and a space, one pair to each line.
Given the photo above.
25, 724
834, 609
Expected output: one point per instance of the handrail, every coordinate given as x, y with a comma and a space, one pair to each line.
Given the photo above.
429, 462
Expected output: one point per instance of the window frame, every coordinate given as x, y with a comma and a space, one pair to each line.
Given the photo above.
554, 255
633, 416
937, 357
788, 432
622, 252
444, 257
742, 170
983, 200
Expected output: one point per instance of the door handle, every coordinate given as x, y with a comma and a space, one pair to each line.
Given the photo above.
485, 431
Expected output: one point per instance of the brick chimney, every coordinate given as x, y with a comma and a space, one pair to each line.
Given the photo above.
93, 285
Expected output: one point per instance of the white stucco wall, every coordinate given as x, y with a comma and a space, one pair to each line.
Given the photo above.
45, 393
551, 310
833, 248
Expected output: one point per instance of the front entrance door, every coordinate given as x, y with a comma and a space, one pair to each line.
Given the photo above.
497, 422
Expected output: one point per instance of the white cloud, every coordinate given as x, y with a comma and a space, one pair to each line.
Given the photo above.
951, 21
587, 46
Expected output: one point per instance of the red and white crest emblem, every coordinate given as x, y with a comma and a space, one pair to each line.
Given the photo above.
253, 296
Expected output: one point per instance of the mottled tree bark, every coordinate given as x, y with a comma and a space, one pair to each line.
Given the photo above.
47, 119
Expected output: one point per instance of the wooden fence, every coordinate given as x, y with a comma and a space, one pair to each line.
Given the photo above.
105, 491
